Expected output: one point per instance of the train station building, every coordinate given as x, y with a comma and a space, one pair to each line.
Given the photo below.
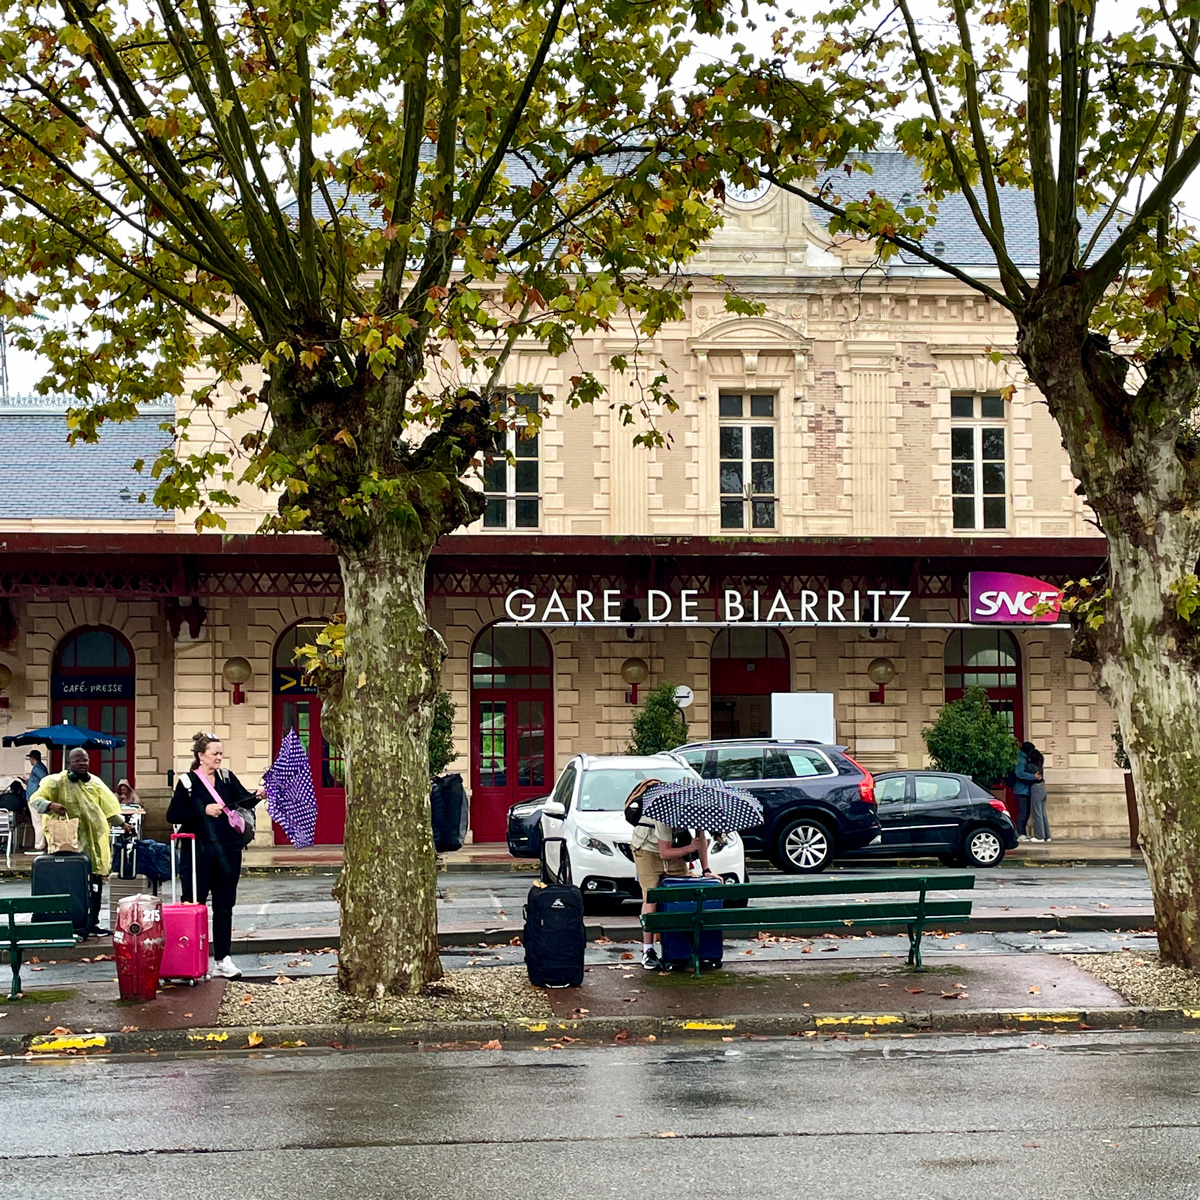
861, 472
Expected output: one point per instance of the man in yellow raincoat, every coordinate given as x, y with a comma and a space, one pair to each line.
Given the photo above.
76, 792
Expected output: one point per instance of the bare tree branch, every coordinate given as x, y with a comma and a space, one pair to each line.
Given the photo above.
1014, 285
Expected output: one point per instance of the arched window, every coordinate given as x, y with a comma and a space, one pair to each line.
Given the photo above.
511, 718
990, 659
748, 665
296, 705
94, 684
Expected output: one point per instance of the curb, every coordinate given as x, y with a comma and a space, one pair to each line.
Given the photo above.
527, 1033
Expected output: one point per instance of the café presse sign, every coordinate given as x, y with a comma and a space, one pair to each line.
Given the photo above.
993, 597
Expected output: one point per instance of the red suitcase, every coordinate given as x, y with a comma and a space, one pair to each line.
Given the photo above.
185, 928
138, 946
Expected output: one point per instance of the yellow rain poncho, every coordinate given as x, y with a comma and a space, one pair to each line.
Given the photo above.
95, 806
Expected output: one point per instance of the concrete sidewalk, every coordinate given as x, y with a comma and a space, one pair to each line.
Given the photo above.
790, 996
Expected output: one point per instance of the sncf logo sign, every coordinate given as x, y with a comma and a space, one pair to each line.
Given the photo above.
999, 597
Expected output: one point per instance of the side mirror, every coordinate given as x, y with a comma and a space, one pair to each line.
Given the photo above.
552, 808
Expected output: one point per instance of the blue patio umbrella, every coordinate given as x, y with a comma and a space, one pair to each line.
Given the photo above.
65, 735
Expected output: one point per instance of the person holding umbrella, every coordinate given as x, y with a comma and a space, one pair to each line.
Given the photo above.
655, 854
663, 813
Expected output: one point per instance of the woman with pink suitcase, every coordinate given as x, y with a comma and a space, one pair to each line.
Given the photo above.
213, 804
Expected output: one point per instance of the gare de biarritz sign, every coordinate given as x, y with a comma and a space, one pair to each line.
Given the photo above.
995, 597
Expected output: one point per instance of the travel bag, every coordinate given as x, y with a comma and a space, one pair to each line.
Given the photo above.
676, 949
555, 938
185, 928
68, 874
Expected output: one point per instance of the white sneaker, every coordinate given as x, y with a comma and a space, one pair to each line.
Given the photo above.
226, 968
1032, 839
650, 959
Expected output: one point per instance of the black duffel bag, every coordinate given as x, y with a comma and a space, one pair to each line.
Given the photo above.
448, 809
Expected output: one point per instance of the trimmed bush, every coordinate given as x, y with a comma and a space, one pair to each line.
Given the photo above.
968, 738
660, 725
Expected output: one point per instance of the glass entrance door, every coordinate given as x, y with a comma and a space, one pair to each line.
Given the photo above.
509, 755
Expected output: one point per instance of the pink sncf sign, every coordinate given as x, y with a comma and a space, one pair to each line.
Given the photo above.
999, 597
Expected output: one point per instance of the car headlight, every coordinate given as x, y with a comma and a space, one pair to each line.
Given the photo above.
593, 843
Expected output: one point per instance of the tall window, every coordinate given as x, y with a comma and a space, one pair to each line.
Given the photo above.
979, 470
747, 433
510, 475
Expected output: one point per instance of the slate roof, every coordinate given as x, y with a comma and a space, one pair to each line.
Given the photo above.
894, 175
41, 476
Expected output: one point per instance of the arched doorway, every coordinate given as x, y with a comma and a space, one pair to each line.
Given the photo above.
747, 665
990, 659
93, 684
511, 725
297, 706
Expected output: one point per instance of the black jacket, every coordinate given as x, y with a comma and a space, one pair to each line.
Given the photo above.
187, 808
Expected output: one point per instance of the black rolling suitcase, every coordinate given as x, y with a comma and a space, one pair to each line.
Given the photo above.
555, 939
65, 875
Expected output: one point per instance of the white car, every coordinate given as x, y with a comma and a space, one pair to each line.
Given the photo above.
587, 808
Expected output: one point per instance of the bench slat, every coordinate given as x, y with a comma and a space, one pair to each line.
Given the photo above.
32, 904
823, 886
810, 914
24, 935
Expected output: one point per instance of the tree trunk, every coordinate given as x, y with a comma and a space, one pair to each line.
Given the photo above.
1151, 682
1135, 455
388, 886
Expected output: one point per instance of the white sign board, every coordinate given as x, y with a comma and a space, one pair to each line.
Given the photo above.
684, 696
803, 715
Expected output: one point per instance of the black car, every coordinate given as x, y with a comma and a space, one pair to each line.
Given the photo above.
817, 801
941, 814
525, 828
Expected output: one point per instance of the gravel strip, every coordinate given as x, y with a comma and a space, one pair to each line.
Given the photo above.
1142, 979
479, 994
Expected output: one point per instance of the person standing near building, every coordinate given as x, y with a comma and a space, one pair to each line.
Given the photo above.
37, 772
77, 793
1035, 761
205, 803
1025, 776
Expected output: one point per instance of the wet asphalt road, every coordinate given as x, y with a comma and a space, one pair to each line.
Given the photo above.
1080, 1115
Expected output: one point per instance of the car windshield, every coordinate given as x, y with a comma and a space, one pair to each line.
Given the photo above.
607, 791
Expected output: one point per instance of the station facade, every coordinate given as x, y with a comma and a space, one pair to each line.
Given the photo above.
868, 441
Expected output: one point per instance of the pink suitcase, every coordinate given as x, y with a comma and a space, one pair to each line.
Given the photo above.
185, 928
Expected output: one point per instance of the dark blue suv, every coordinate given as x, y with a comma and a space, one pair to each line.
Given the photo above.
817, 801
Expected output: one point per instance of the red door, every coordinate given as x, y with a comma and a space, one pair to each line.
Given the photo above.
511, 736
990, 659
105, 716
747, 666
303, 714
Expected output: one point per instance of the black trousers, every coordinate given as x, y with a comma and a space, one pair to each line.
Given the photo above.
95, 898
217, 868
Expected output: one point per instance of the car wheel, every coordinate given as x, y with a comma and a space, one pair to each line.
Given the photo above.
982, 847
803, 847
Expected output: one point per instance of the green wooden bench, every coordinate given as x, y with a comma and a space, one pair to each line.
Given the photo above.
35, 934
914, 912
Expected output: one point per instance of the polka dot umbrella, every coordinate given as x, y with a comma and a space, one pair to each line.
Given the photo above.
706, 804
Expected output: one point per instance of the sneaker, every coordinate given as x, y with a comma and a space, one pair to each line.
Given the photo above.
650, 959
226, 968
1033, 839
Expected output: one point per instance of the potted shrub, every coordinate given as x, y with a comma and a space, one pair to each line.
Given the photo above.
660, 725
969, 738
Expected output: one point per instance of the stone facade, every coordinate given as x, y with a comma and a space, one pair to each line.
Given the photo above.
861, 364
